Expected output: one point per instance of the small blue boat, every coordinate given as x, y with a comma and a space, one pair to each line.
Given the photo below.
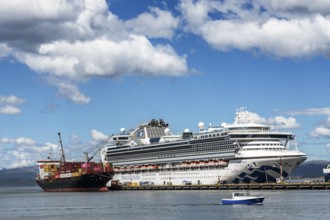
243, 198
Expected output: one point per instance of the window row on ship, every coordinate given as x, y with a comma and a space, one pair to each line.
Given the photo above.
177, 149
164, 145
165, 172
129, 149
193, 176
182, 157
259, 136
268, 148
213, 138
172, 153
236, 160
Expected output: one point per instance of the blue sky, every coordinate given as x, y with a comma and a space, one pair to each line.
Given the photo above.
88, 68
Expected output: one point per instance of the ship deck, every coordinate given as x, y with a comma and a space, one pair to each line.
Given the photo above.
247, 186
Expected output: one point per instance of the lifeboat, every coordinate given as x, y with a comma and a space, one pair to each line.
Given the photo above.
136, 168
223, 162
184, 164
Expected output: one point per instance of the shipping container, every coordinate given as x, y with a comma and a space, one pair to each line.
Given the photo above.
97, 169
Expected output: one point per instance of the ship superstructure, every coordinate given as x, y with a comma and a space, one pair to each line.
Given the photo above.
238, 152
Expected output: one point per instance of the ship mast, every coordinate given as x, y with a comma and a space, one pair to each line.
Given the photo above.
281, 171
62, 151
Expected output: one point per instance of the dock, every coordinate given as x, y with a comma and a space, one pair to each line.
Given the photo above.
247, 186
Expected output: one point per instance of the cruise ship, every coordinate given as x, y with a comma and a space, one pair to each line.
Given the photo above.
241, 152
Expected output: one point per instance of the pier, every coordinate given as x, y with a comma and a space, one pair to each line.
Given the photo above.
247, 186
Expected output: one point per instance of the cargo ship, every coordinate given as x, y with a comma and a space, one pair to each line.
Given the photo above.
65, 176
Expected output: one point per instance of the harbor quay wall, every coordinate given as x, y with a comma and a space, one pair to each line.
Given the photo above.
247, 186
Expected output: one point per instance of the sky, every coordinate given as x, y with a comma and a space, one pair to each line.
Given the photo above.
87, 68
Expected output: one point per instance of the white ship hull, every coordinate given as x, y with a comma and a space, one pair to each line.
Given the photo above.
267, 169
247, 171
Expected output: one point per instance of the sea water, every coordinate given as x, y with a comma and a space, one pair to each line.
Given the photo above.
33, 203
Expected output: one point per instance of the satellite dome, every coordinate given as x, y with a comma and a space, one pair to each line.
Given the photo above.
201, 125
167, 131
186, 130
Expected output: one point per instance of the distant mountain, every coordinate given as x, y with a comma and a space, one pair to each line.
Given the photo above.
24, 176
310, 169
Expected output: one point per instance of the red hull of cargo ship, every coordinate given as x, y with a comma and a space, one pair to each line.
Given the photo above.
83, 183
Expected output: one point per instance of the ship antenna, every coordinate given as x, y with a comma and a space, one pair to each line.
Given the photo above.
62, 151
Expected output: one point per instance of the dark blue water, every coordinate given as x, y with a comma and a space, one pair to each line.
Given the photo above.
32, 203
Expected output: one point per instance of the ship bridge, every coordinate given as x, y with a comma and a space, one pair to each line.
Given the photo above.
151, 132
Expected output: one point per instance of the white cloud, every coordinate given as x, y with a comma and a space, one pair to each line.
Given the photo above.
276, 37
323, 129
11, 99
25, 151
195, 13
312, 111
82, 39
10, 110
298, 7
321, 132
328, 147
25, 141
261, 26
70, 91
278, 122
73, 62
281, 122
8, 105
35, 10
24, 25
132, 56
156, 24
4, 50
98, 136
18, 141
97, 142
